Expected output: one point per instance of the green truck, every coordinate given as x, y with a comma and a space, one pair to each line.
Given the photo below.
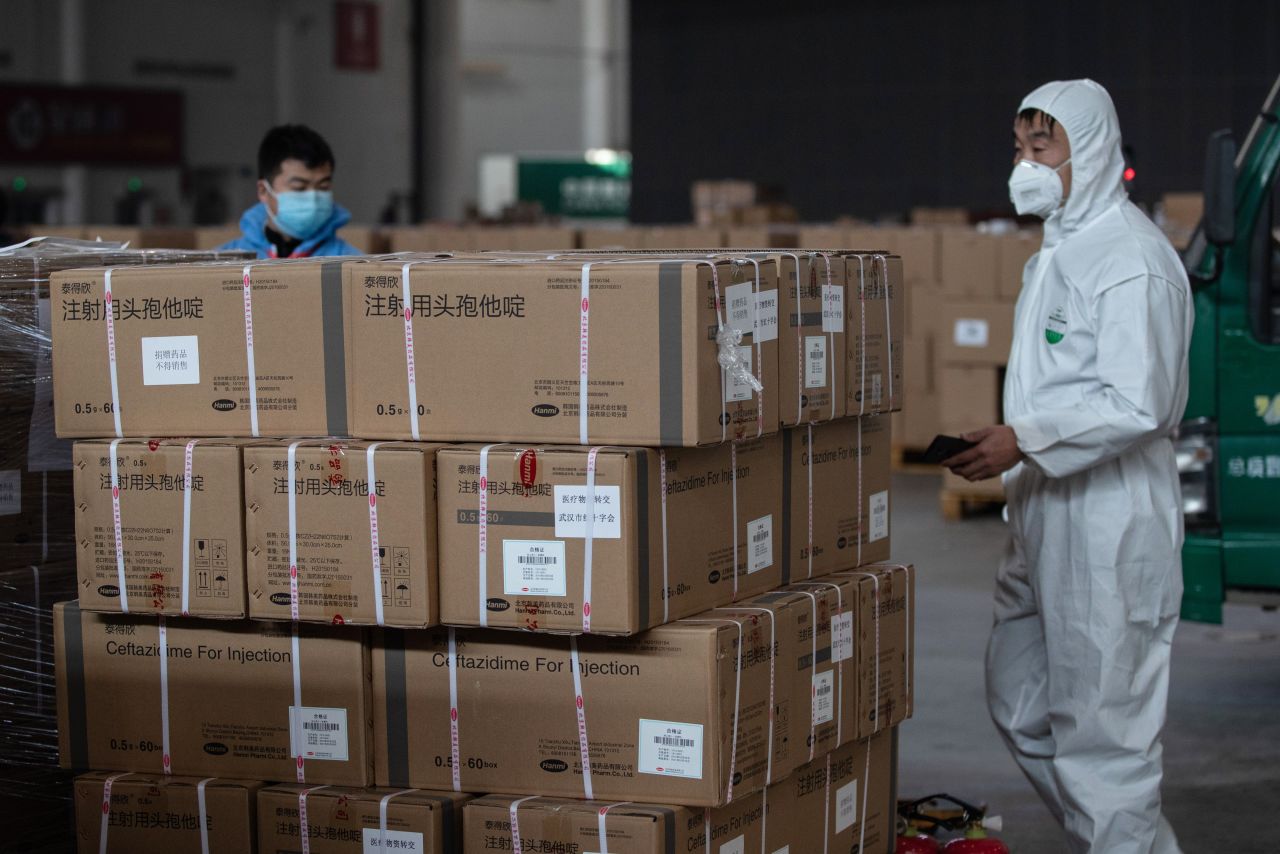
1229, 443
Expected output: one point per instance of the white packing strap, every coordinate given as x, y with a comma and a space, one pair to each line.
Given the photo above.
662, 477
37, 634
764, 819
813, 663
513, 812
862, 810
809, 503
907, 630
773, 640
374, 543
737, 700
799, 337
584, 745
44, 516
862, 533
109, 312
482, 536
304, 828
166, 760
602, 817
733, 478
831, 342
875, 620
584, 351
383, 803
106, 809
826, 809
202, 809
115, 521
292, 462
862, 341
296, 723
247, 287
888, 324
406, 307
187, 460
454, 742
588, 539
838, 664
706, 830
755, 341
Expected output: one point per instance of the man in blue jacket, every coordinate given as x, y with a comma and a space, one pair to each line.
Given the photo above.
295, 216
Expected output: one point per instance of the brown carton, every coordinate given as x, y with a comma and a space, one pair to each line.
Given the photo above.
367, 239
876, 325
651, 561
343, 820
431, 238
837, 503
828, 663
679, 713
159, 814
681, 237
505, 350
183, 337
36, 506
1015, 251
341, 512
230, 697
970, 263
611, 238
969, 397
919, 248
811, 366
143, 238
179, 538
975, 332
919, 421
883, 646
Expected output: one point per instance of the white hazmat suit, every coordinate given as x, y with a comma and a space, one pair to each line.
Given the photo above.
1088, 593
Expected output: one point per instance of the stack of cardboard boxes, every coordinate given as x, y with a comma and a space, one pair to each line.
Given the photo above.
605, 569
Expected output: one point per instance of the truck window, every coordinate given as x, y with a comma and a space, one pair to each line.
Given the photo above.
1264, 285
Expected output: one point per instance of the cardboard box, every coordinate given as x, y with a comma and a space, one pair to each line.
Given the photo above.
159, 814
819, 236
143, 238
969, 397
1180, 215
920, 249
681, 237
970, 263
348, 821
657, 713
213, 236
369, 239
920, 419
337, 525
876, 326
992, 488
430, 238
812, 293
181, 535
836, 509
230, 693
612, 237
1015, 251
928, 216
36, 505
505, 351
651, 561
182, 350
975, 332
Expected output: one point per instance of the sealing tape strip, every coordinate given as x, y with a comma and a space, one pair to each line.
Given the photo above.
799, 337
482, 533
406, 299
584, 350
109, 311
584, 745
737, 701
862, 534
862, 342
588, 542
826, 809
187, 460
115, 521
106, 809
883, 262
296, 723
666, 598
602, 818
304, 825
773, 640
202, 808
733, 478
163, 637
374, 545
382, 816
454, 742
809, 472
517, 847
247, 287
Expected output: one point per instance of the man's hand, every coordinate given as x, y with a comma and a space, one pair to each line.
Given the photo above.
994, 454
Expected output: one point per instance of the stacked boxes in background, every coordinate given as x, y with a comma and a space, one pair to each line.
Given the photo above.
678, 493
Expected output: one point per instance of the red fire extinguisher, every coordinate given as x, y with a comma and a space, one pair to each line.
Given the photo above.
930, 815
912, 841
975, 841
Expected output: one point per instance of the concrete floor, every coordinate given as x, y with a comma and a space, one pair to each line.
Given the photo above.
1222, 742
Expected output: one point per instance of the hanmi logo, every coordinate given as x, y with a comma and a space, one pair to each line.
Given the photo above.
216, 748
545, 410
554, 766
280, 598
496, 603
109, 590
224, 405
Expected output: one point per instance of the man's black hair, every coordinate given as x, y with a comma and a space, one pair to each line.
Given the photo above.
291, 141
1033, 116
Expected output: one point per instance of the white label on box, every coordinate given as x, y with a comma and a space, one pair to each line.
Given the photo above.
824, 697
759, 544
971, 332
815, 361
10, 492
736, 389
323, 732
735, 846
833, 308
846, 805
878, 509
786, 849
571, 512
171, 360
877, 389
670, 748
397, 840
842, 637
740, 308
533, 568
766, 328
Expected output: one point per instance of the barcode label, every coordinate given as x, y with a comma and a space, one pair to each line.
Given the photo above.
815, 361
533, 568
323, 733
824, 696
842, 637
832, 308
971, 332
846, 805
878, 509
759, 544
571, 512
670, 749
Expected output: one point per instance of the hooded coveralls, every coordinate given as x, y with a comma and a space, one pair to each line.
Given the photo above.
1088, 591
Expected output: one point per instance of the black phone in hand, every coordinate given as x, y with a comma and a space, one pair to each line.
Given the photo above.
944, 448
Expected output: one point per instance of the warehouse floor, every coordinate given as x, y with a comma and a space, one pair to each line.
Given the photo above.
1222, 742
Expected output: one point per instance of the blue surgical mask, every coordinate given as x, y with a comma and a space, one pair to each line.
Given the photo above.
300, 213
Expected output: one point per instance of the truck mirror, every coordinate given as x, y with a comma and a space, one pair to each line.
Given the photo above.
1220, 189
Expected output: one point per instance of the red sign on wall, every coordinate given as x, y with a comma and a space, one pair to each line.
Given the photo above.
355, 27
90, 124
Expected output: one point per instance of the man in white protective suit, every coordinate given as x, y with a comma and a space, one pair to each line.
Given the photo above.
1088, 592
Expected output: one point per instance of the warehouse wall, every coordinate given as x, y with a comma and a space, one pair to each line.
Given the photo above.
876, 106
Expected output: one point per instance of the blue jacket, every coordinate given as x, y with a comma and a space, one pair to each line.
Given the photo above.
324, 242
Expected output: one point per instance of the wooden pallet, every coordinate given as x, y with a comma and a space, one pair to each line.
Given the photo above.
908, 460
956, 504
